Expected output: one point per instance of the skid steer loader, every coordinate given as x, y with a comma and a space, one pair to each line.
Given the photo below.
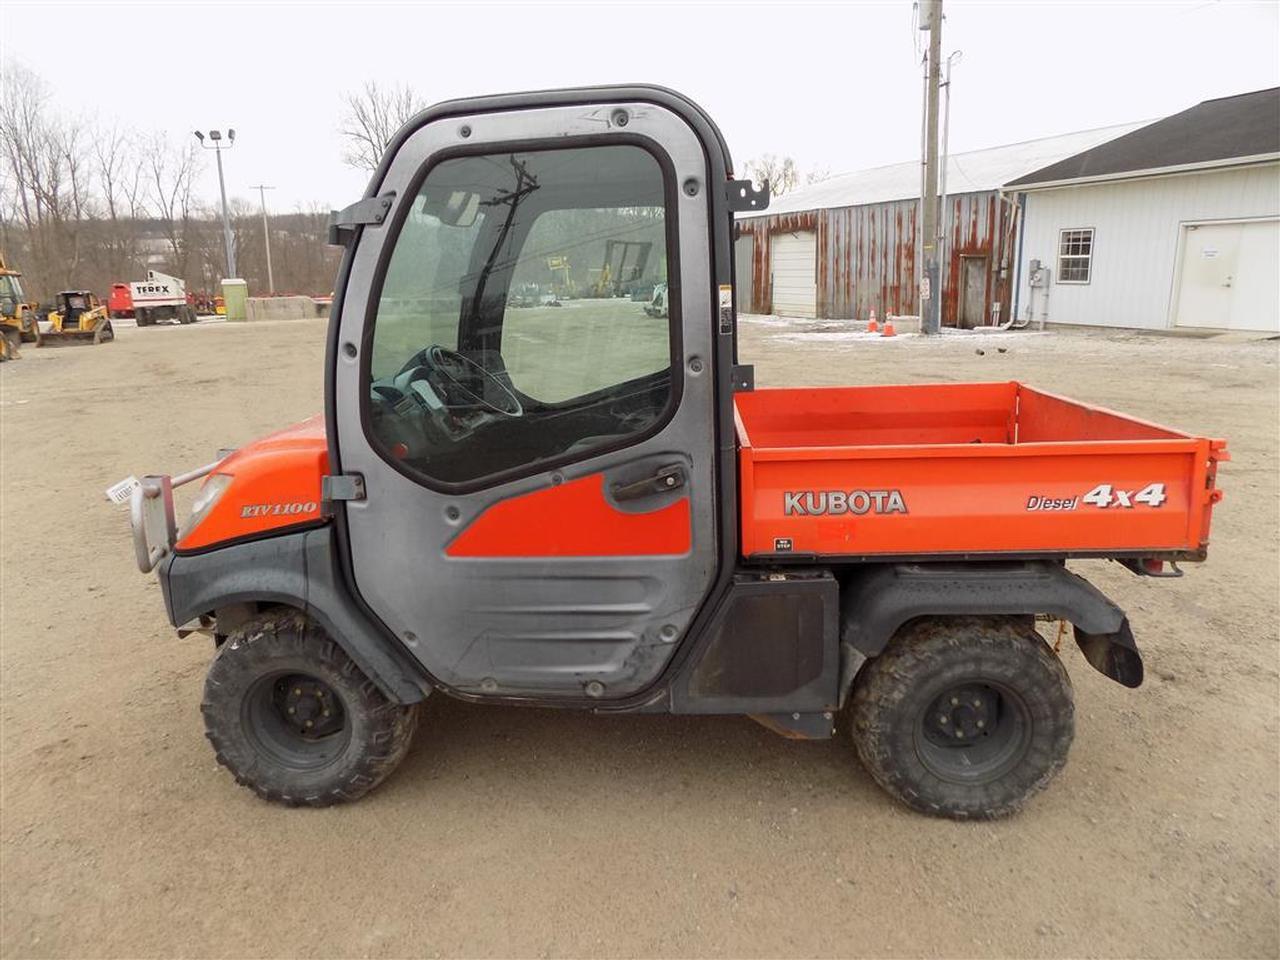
79, 318
593, 507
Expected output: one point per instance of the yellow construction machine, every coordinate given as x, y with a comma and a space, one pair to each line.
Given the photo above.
17, 316
80, 318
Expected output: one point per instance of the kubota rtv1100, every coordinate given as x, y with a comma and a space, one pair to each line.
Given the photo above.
534, 499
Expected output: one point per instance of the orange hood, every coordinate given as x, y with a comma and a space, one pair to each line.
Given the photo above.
275, 483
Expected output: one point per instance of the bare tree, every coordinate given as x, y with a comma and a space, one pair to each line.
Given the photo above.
172, 172
781, 173
23, 140
48, 187
817, 175
82, 207
120, 175
371, 118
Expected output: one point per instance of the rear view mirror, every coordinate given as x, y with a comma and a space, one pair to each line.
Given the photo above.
456, 208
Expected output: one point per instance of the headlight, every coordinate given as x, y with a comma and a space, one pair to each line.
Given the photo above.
210, 493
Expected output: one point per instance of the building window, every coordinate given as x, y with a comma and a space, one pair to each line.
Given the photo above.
1075, 256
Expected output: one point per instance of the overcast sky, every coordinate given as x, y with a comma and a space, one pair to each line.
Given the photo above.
835, 86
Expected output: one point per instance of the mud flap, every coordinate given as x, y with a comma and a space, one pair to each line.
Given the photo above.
1113, 655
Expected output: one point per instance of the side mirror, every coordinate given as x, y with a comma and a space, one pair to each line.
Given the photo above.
456, 208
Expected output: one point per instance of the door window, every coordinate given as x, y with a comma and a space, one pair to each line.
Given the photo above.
523, 318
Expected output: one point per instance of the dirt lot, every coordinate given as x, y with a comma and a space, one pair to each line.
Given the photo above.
532, 833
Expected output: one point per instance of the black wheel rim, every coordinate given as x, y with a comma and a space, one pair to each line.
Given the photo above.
296, 720
973, 732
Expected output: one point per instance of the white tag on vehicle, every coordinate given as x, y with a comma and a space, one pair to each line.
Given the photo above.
122, 491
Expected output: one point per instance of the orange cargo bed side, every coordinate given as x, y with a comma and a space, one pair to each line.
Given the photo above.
935, 470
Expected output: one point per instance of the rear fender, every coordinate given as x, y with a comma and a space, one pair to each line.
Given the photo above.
876, 603
297, 570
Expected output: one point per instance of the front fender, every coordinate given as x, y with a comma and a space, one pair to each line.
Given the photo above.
298, 570
876, 603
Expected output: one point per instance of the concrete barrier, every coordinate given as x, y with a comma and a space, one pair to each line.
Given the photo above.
284, 308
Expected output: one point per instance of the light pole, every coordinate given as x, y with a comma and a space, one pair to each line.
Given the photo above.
215, 138
266, 234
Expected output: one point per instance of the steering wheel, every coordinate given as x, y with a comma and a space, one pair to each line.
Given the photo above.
460, 382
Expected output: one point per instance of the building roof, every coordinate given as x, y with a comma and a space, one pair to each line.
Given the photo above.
1212, 133
972, 172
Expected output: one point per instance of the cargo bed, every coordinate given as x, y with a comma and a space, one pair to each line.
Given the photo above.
966, 470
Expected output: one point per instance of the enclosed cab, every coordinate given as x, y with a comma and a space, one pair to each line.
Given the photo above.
534, 488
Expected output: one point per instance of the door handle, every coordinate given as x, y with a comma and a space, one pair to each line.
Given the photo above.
667, 478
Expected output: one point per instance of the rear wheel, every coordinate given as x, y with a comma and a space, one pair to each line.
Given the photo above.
964, 718
294, 719
143, 317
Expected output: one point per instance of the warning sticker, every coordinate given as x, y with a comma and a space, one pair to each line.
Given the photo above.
726, 309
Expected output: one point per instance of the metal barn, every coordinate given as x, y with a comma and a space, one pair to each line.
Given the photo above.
849, 245
1174, 226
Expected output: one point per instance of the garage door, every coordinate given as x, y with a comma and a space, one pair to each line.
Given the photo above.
795, 266
1229, 278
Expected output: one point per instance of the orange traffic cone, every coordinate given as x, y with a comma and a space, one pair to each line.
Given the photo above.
888, 328
872, 325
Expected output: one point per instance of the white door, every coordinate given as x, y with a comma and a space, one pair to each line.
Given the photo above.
795, 274
1256, 301
1230, 277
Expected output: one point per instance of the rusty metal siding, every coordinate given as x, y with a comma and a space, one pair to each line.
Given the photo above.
867, 255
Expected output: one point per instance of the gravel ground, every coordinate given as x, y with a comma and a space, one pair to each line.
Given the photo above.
536, 833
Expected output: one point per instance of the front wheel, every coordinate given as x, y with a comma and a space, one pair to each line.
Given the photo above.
964, 718
294, 719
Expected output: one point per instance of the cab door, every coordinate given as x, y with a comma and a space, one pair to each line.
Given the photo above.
524, 378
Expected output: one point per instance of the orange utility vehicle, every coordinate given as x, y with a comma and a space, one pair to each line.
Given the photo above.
587, 505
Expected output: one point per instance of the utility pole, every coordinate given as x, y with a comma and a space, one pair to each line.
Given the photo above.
215, 138
930, 287
266, 234
944, 218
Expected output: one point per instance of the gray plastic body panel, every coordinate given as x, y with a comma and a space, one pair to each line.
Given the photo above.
298, 570
540, 627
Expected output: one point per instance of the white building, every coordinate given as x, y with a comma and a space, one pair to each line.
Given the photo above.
850, 244
1175, 225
